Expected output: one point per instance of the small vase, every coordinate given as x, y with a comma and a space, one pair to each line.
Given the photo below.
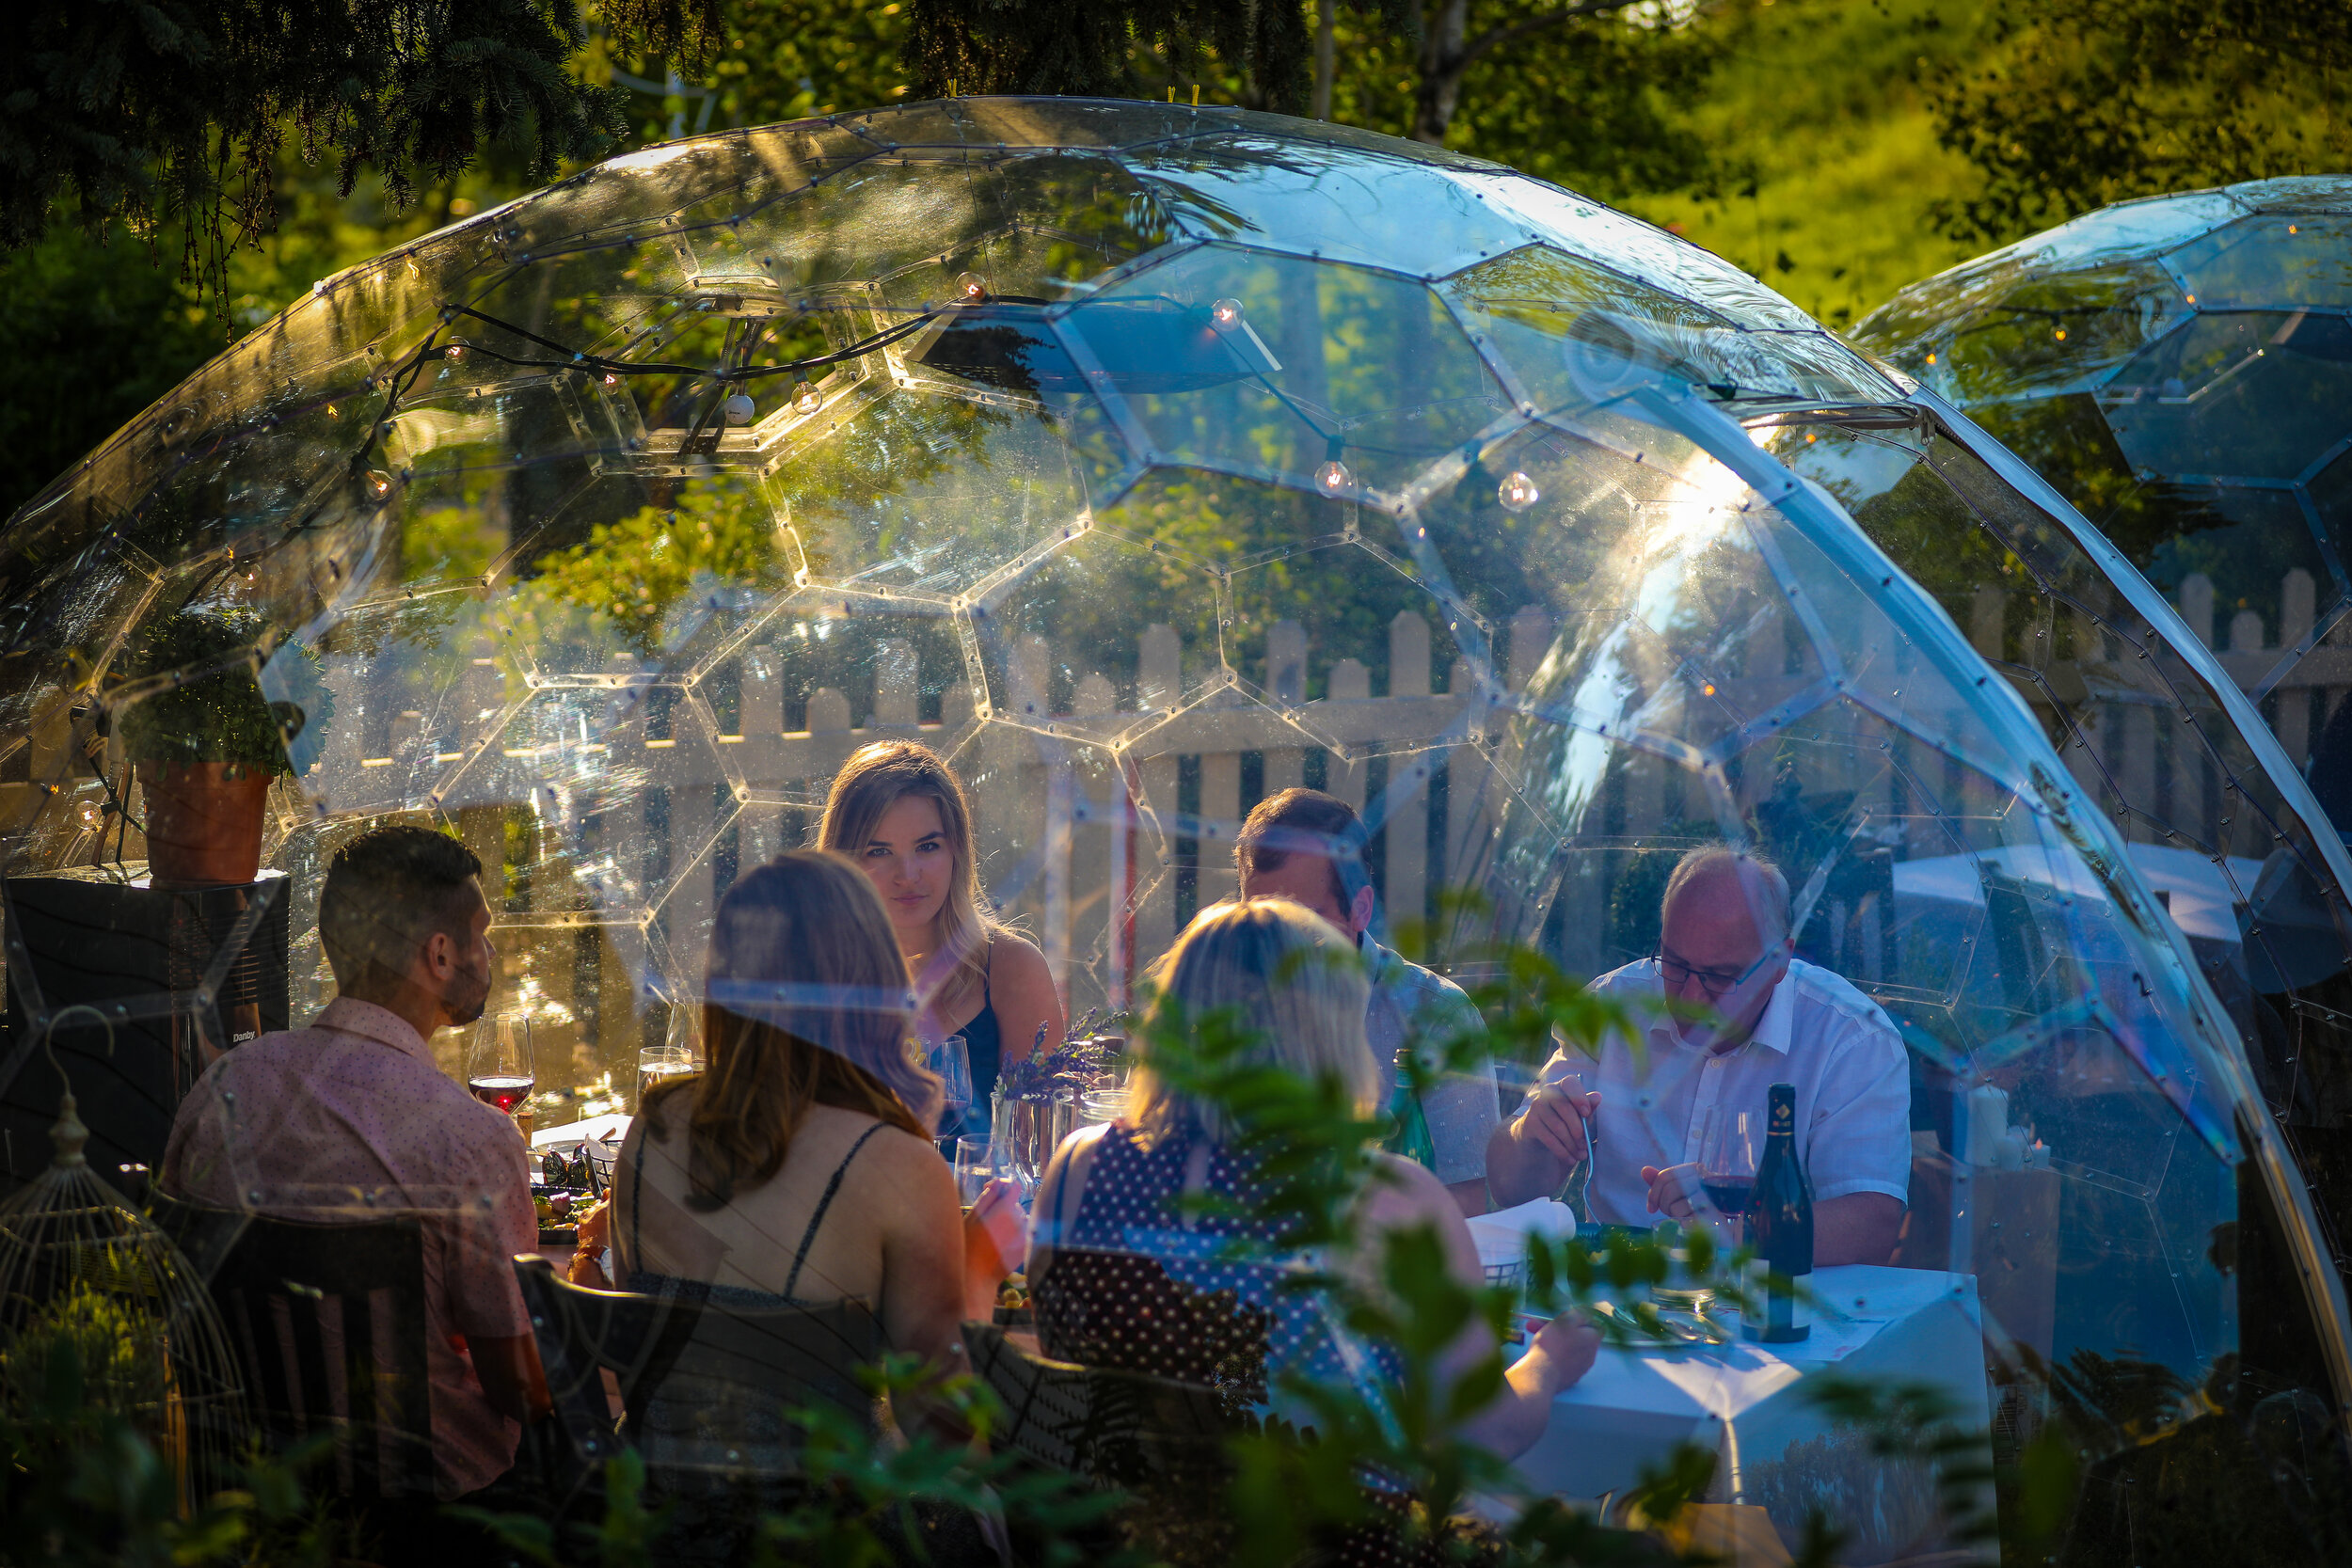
204, 823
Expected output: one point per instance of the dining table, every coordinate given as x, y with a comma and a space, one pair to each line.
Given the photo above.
1754, 1407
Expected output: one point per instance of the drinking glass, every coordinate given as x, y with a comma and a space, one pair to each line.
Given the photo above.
498, 1064
975, 1166
1728, 1159
951, 1058
659, 1063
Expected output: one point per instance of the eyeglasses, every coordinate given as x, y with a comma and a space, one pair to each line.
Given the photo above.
1712, 981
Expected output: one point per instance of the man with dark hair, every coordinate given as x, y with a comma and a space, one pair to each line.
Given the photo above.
1308, 846
351, 1117
1752, 1015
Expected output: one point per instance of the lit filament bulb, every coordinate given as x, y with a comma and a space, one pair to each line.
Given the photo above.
971, 287
456, 351
1333, 478
611, 381
1225, 314
1516, 492
806, 399
379, 481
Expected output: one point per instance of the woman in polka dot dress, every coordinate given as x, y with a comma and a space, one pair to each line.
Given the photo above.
1126, 1275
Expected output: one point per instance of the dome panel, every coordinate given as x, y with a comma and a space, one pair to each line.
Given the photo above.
1329, 202
1571, 334
1106, 632
1322, 364
2269, 264
930, 495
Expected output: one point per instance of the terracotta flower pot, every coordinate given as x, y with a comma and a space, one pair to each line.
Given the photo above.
204, 822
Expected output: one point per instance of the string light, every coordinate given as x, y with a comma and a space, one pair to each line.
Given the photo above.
379, 481
738, 408
455, 351
806, 399
971, 287
1225, 314
611, 380
1517, 492
1334, 478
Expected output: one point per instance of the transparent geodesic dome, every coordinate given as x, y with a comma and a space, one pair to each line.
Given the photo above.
2176, 366
1143, 461
2165, 366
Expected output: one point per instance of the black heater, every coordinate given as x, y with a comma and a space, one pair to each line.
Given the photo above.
102, 937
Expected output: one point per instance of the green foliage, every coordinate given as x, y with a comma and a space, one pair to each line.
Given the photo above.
2080, 102
84, 1486
1824, 130
1070, 46
94, 332
207, 704
174, 112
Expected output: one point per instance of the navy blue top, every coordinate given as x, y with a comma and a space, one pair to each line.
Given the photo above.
984, 1043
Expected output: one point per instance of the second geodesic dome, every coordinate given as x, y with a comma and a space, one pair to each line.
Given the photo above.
1144, 460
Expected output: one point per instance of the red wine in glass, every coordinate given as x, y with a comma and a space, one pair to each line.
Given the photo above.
505, 1092
498, 1070
1730, 1195
1727, 1161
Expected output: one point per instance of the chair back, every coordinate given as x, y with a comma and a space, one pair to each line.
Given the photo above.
1162, 1443
706, 1381
328, 1323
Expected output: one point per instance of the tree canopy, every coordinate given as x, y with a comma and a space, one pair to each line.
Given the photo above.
2081, 103
162, 113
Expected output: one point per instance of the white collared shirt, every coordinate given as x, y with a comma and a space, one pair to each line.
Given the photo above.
1852, 1075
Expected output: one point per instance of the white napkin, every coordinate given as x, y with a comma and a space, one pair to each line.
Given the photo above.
1501, 1236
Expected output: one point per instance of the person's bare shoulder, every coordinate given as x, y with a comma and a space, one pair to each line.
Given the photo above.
1402, 1190
1017, 961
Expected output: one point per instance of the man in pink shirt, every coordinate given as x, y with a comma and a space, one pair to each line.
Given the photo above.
350, 1116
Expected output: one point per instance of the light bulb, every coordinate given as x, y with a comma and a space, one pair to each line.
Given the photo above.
971, 287
456, 351
379, 481
806, 399
1334, 478
738, 408
1517, 492
1225, 314
611, 380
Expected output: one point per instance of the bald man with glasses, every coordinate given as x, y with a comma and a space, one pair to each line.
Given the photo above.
1752, 1015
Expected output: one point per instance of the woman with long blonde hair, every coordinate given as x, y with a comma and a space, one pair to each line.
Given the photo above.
1131, 1270
898, 813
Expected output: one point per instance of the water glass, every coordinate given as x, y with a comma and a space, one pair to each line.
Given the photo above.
974, 1167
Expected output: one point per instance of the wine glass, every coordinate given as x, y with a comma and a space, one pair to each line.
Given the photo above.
974, 1167
657, 1064
498, 1070
951, 1058
1728, 1159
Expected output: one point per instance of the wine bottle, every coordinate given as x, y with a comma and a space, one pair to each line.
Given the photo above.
1408, 1129
1780, 1226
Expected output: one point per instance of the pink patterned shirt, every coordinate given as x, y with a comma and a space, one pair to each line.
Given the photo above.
351, 1116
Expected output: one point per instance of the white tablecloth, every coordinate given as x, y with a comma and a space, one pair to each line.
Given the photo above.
1743, 1401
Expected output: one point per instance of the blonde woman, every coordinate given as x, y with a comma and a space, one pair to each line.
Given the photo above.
897, 811
1127, 1276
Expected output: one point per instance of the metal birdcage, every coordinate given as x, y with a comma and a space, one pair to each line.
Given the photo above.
83, 1271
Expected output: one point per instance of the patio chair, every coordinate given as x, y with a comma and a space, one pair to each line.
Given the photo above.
327, 1323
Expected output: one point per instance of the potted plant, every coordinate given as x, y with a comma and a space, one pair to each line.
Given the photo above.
209, 748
